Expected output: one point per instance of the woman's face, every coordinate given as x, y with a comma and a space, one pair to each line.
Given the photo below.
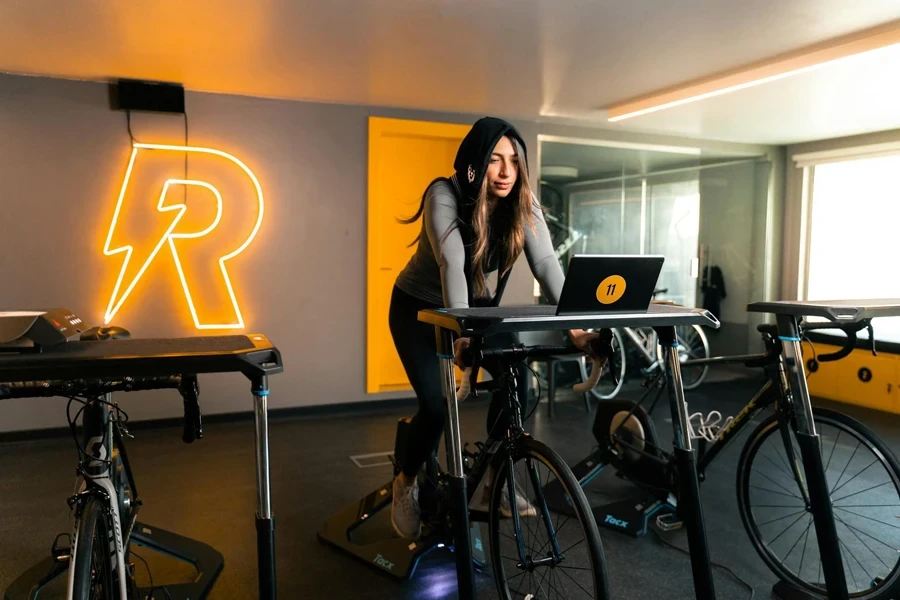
503, 169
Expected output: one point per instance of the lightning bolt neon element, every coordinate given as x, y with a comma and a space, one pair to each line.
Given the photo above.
114, 306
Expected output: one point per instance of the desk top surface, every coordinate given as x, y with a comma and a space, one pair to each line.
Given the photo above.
491, 320
253, 355
833, 310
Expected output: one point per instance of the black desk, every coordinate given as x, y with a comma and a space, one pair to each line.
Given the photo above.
253, 355
839, 311
788, 315
480, 322
488, 321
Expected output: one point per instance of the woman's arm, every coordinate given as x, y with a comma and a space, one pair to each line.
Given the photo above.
541, 257
440, 215
546, 269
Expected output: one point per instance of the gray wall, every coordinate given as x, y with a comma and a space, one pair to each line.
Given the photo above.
62, 158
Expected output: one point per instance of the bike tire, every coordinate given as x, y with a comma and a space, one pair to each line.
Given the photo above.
92, 554
889, 587
529, 448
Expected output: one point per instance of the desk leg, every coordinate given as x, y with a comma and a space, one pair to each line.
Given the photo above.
810, 451
465, 570
689, 506
265, 522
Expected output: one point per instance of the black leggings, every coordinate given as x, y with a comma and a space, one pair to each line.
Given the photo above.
417, 347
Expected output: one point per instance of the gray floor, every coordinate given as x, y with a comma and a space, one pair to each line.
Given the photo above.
207, 491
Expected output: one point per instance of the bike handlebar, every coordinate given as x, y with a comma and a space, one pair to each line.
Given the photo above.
601, 349
849, 329
85, 387
186, 385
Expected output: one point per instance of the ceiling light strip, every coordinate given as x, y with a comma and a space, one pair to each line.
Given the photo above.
761, 73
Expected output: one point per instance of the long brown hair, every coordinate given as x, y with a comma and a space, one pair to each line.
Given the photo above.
511, 215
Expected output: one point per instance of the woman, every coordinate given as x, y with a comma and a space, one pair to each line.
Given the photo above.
474, 223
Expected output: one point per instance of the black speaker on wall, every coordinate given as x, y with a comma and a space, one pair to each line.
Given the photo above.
151, 96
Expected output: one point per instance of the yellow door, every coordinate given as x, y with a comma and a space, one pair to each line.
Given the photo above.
404, 156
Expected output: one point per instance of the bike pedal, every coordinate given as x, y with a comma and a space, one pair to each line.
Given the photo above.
668, 522
61, 554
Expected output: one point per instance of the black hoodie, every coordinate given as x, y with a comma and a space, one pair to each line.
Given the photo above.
434, 270
471, 165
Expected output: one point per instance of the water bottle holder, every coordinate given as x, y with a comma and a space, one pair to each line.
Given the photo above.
707, 427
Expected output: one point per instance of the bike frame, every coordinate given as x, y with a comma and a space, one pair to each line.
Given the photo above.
103, 443
787, 389
774, 391
770, 393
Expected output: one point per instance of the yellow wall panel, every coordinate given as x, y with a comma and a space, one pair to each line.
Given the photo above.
841, 380
404, 156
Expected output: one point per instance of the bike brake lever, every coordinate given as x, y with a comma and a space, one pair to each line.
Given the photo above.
193, 423
472, 355
601, 348
606, 350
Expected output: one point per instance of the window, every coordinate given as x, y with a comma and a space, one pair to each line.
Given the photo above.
854, 221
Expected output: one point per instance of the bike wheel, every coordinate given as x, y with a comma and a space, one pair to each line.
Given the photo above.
692, 345
864, 478
560, 562
94, 573
606, 389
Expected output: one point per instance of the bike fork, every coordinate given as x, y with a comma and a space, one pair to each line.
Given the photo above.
542, 502
785, 417
98, 438
810, 444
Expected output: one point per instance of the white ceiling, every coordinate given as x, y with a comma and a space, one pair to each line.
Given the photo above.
519, 58
858, 94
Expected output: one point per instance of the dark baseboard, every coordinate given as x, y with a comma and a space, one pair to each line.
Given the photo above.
323, 410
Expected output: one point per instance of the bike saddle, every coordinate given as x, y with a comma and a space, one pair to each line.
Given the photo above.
105, 333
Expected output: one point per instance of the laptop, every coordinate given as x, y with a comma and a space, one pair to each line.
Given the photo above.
603, 283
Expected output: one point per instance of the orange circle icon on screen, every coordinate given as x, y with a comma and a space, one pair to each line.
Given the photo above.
611, 289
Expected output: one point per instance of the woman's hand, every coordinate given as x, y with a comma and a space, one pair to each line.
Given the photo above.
458, 347
582, 340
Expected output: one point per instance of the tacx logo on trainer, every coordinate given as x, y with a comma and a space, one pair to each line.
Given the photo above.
201, 221
383, 563
614, 521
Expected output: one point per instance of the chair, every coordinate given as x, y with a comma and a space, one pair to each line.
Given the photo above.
555, 338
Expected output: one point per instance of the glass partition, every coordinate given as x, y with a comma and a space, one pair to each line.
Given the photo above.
705, 212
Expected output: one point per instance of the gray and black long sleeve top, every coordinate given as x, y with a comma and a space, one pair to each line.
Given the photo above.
435, 272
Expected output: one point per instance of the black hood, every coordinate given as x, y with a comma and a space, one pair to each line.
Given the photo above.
471, 165
474, 153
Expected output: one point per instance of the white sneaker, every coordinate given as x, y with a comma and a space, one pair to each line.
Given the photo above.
406, 516
526, 509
